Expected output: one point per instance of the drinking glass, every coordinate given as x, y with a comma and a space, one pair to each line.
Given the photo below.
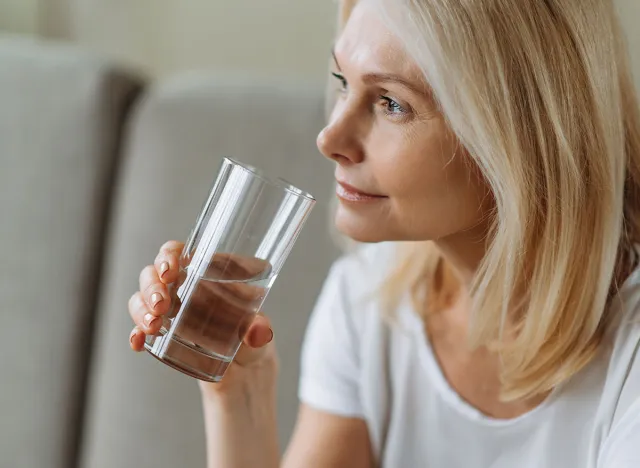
230, 261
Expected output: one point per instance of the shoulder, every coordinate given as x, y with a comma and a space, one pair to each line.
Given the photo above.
349, 301
343, 319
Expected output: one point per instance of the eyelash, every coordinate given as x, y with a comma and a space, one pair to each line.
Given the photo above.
342, 81
391, 108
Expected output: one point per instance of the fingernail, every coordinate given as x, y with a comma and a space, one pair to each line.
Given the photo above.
133, 335
156, 298
271, 337
149, 320
252, 337
164, 267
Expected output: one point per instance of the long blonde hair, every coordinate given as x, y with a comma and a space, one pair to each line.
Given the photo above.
541, 96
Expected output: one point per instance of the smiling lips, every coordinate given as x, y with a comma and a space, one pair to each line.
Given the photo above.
348, 193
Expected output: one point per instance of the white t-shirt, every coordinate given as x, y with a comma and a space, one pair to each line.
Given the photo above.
355, 364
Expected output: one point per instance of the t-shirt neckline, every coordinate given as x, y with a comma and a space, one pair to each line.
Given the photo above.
459, 404
452, 397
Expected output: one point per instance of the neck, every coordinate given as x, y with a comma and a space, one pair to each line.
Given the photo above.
464, 251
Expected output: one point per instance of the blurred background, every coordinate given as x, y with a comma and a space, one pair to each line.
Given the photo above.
166, 36
114, 118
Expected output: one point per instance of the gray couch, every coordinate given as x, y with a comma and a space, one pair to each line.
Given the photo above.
97, 170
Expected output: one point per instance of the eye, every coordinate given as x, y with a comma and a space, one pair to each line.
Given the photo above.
391, 107
343, 82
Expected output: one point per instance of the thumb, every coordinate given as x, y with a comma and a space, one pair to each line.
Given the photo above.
254, 345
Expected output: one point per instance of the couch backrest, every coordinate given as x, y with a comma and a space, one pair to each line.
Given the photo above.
61, 113
142, 413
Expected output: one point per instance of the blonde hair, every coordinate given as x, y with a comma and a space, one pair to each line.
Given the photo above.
541, 96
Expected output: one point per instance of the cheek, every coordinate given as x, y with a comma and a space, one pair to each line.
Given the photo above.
434, 191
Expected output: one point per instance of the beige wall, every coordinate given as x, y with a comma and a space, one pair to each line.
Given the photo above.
257, 36
165, 36
19, 16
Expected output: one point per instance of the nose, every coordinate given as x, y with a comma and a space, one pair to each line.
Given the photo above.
341, 139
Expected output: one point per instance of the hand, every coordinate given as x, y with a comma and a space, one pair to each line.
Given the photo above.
148, 307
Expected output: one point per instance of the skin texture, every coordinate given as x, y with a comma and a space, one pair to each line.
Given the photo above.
389, 139
401, 176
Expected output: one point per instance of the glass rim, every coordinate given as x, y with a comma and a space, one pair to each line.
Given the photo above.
279, 182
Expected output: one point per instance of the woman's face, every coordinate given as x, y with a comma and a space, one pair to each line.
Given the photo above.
401, 173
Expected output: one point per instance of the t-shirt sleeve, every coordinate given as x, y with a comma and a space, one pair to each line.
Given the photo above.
622, 448
329, 377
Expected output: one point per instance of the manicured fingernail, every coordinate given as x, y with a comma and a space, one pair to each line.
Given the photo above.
271, 337
252, 337
133, 335
149, 320
156, 298
164, 267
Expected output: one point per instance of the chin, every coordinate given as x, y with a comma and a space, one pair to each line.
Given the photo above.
361, 230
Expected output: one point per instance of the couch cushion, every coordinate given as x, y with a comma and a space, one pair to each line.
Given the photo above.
143, 413
61, 112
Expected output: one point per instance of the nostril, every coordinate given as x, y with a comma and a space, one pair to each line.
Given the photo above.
340, 159
340, 143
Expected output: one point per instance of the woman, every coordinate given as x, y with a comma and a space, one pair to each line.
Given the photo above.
497, 143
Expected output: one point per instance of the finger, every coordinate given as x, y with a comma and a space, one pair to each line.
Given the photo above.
141, 315
259, 333
167, 262
154, 292
254, 346
136, 339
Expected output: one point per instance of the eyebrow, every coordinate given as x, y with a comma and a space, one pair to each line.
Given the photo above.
375, 78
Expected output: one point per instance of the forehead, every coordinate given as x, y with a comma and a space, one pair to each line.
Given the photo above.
367, 45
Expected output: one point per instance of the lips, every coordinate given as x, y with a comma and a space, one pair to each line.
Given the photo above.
349, 193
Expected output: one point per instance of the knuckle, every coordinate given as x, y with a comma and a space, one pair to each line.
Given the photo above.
166, 246
130, 302
134, 302
150, 289
147, 272
169, 248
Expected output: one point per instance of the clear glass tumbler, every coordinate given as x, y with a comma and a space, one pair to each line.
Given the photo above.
242, 238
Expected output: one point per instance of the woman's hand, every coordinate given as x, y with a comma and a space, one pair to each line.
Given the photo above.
242, 407
255, 363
